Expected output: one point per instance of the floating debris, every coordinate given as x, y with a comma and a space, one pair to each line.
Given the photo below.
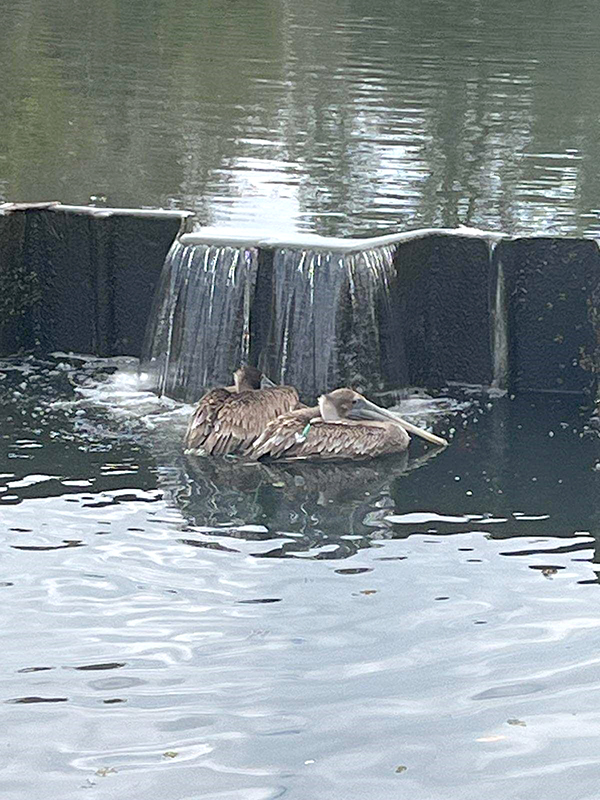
104, 771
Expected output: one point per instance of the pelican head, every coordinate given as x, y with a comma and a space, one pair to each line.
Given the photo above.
347, 404
337, 405
247, 379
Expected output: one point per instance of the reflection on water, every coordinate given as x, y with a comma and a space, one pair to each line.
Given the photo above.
323, 511
339, 117
203, 628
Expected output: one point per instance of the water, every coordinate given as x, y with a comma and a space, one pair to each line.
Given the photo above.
410, 628
318, 319
339, 117
209, 630
200, 323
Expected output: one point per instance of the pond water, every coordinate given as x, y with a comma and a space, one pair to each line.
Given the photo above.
338, 116
422, 628
416, 629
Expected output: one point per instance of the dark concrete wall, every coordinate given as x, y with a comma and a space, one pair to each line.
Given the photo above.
552, 286
443, 297
19, 287
138, 247
79, 281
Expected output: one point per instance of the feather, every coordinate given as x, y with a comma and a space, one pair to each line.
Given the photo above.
327, 441
227, 422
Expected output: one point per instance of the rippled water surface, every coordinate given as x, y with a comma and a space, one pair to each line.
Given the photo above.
343, 116
422, 628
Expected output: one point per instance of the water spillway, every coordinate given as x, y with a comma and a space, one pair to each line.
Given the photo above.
200, 324
307, 315
427, 308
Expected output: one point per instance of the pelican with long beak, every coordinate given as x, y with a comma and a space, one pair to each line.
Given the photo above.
228, 419
345, 425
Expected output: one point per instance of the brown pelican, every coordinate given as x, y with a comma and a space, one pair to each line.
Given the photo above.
344, 425
228, 419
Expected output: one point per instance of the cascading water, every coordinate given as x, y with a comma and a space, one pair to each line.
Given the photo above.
332, 322
500, 324
320, 318
423, 308
199, 330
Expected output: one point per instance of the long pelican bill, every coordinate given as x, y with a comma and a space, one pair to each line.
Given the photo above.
365, 409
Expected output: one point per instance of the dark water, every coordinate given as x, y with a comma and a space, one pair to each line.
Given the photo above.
340, 117
188, 629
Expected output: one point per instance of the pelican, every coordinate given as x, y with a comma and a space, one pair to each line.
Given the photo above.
344, 425
228, 419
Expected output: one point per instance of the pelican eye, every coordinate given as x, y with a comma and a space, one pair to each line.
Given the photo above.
355, 401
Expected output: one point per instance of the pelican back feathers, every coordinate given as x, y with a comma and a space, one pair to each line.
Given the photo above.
227, 422
300, 436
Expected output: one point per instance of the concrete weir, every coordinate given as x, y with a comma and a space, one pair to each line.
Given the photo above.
430, 307
80, 278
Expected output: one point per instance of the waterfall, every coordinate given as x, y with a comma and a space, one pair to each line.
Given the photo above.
499, 324
199, 331
332, 320
428, 307
320, 318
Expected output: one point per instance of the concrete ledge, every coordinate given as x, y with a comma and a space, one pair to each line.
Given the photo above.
95, 211
428, 307
241, 238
